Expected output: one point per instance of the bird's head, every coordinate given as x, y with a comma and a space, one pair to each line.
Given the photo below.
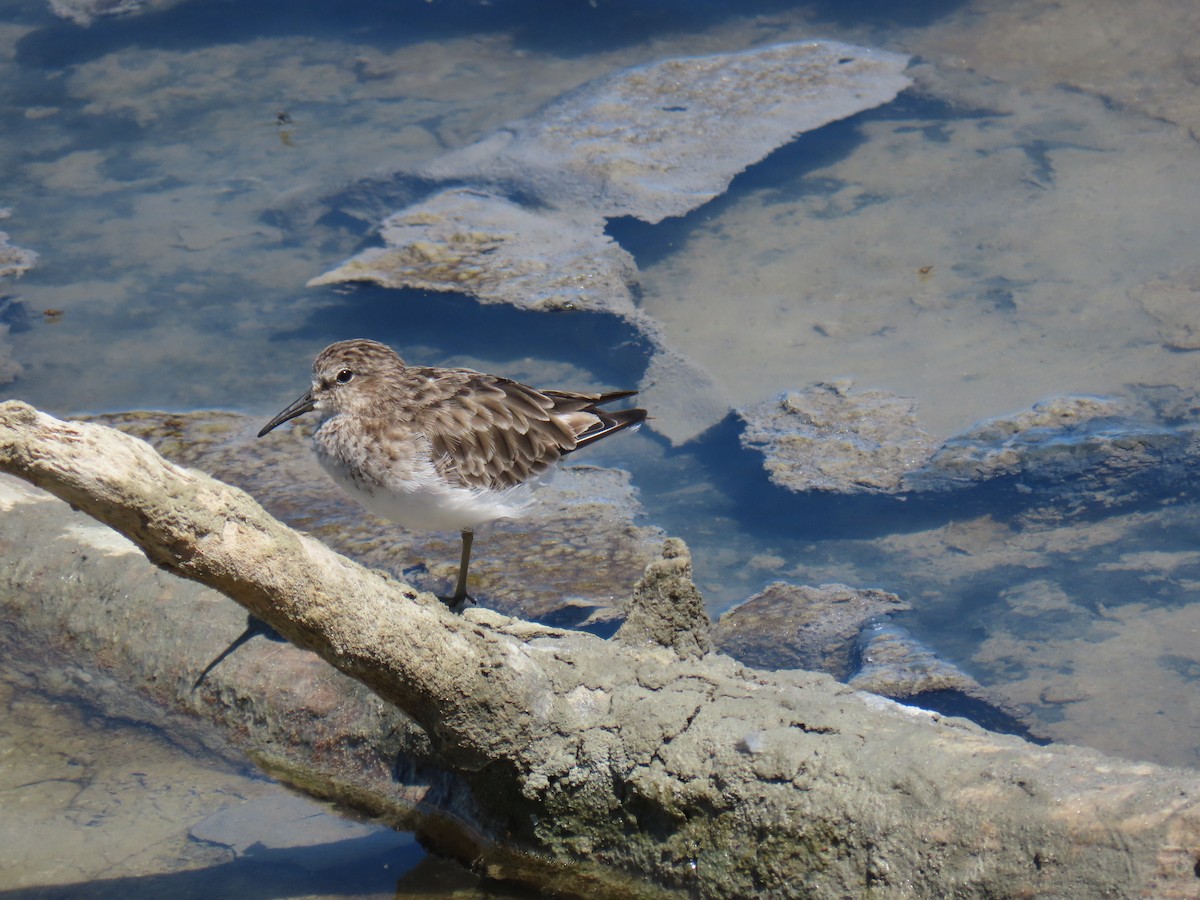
347, 378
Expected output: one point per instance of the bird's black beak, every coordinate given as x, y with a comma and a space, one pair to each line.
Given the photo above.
299, 408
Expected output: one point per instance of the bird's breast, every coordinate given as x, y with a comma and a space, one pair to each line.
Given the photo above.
394, 477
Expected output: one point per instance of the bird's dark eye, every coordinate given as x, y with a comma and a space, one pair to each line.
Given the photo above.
344, 376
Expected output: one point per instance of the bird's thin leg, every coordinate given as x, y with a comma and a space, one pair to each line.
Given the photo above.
460, 590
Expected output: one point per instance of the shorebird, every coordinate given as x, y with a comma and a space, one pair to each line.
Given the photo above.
437, 449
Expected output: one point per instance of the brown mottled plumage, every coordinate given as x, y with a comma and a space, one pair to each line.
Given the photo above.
435, 449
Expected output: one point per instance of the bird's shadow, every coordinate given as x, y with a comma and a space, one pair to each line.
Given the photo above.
255, 627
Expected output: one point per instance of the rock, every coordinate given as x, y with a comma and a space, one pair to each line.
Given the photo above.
478, 243
827, 438
1020, 443
666, 608
788, 626
1082, 450
662, 139
892, 663
1172, 302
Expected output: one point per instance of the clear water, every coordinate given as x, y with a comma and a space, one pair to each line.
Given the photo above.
979, 245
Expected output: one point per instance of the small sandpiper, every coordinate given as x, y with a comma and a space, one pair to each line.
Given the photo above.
437, 449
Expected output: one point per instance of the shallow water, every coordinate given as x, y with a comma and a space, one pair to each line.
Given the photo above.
103, 808
1001, 233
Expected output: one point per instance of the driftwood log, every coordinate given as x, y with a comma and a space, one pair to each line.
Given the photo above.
645, 765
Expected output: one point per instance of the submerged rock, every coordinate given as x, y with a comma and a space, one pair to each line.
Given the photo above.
14, 261
1080, 449
662, 139
10, 369
892, 663
291, 830
1172, 302
85, 12
827, 438
478, 243
1055, 438
848, 633
1078, 452
788, 626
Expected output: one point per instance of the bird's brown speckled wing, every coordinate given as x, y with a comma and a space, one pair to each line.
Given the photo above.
491, 432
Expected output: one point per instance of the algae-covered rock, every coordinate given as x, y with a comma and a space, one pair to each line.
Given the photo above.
478, 243
789, 626
827, 437
1082, 450
659, 140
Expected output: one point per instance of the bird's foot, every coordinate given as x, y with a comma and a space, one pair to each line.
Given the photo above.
458, 603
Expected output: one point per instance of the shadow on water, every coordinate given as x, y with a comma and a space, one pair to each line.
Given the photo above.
261, 873
786, 168
577, 28
881, 14
792, 172
443, 327
564, 29
197, 24
764, 509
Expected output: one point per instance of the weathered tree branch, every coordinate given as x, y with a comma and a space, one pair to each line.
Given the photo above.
648, 759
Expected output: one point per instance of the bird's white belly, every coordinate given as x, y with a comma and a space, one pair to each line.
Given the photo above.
425, 502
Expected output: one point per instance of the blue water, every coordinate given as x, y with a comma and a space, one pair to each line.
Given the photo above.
170, 168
